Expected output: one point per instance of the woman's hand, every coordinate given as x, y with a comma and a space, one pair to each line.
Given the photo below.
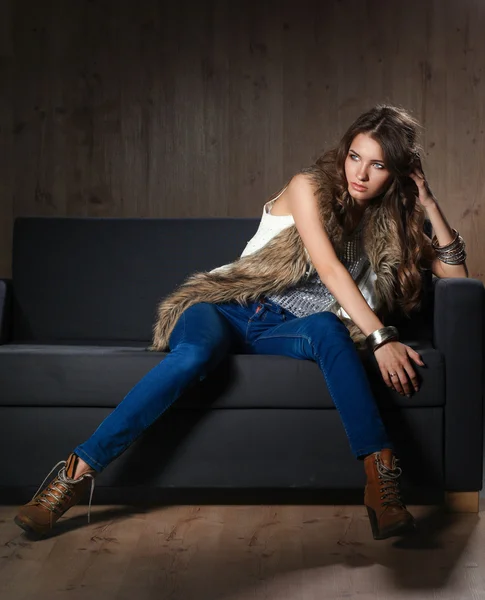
396, 368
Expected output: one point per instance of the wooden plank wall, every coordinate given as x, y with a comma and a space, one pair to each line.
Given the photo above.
188, 109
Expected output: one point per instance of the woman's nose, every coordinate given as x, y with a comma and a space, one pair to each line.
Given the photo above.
362, 174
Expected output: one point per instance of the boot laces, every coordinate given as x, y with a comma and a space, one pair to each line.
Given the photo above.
390, 486
62, 485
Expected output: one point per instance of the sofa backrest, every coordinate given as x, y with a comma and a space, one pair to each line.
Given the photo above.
94, 279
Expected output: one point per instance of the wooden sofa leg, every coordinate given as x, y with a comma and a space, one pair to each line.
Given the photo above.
462, 502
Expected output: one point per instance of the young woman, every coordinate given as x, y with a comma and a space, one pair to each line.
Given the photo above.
340, 247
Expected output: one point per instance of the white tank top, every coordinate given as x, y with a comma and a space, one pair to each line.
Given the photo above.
271, 225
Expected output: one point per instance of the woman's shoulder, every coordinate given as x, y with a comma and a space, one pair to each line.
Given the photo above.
279, 205
301, 185
303, 179
302, 191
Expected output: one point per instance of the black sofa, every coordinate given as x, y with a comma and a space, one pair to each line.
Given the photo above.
76, 321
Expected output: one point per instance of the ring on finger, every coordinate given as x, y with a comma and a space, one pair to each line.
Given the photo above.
393, 374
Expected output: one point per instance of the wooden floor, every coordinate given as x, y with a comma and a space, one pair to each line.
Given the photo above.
242, 552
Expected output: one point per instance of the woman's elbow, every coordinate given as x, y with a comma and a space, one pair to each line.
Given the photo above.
330, 272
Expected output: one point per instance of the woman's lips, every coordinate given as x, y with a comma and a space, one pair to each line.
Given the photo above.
359, 188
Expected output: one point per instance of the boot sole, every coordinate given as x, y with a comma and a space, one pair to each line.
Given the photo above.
383, 534
29, 527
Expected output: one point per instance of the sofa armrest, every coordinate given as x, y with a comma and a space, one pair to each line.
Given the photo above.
459, 306
5, 310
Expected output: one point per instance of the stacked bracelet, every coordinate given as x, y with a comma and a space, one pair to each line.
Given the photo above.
381, 336
452, 253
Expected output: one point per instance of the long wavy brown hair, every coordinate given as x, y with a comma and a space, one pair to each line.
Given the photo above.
397, 207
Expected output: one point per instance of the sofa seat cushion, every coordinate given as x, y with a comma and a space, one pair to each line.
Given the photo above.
101, 375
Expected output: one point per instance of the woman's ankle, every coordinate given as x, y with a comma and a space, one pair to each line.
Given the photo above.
81, 468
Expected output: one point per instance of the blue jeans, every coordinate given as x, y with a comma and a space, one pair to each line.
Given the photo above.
206, 333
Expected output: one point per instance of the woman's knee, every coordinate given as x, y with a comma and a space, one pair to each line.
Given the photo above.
197, 360
195, 355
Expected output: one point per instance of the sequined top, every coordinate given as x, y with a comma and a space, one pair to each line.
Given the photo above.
311, 295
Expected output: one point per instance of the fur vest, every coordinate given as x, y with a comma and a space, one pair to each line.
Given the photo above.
281, 263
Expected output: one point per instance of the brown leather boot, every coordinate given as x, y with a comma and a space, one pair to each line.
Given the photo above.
387, 512
41, 513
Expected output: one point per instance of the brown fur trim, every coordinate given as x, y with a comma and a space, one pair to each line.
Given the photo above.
282, 262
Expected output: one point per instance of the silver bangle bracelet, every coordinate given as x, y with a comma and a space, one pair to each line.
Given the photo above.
378, 338
455, 259
453, 253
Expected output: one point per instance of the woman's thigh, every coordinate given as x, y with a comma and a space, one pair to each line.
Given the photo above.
203, 325
229, 325
304, 337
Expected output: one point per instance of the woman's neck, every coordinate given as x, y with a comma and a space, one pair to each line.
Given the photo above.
353, 219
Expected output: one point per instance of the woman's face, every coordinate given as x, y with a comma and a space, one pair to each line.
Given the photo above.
365, 166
